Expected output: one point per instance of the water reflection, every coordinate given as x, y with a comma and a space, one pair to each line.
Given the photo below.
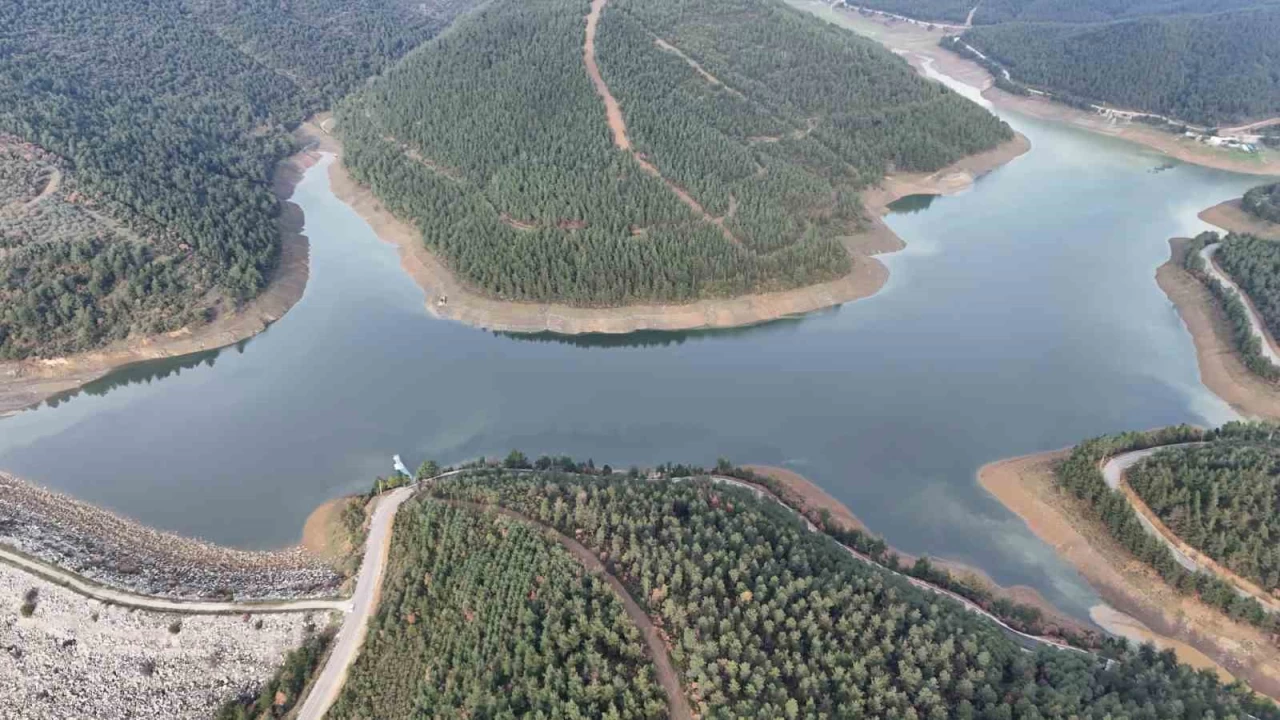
911, 204
660, 338
144, 372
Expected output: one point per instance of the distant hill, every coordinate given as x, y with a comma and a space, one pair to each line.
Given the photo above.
746, 129
1206, 62
1212, 69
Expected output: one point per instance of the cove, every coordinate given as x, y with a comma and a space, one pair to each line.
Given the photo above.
1022, 316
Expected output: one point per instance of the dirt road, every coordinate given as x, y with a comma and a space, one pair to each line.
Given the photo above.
1256, 326
364, 601
146, 602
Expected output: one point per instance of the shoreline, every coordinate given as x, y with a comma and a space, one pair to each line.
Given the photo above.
1133, 592
809, 500
1231, 217
27, 383
868, 276
920, 48
1220, 366
58, 531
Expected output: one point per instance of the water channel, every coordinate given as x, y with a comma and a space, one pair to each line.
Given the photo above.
1023, 316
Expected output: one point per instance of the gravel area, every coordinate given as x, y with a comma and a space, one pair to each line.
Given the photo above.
78, 659
121, 553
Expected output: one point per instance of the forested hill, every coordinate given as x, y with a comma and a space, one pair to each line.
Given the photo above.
1220, 68
165, 119
752, 128
761, 619
1263, 202
993, 12
1222, 498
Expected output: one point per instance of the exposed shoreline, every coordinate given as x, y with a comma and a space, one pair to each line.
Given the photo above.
1204, 636
917, 45
810, 500
1220, 365
868, 276
118, 553
26, 383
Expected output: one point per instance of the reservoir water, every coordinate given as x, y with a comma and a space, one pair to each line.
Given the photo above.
1023, 316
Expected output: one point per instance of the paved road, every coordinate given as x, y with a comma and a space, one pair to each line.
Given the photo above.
365, 600
1256, 326
148, 602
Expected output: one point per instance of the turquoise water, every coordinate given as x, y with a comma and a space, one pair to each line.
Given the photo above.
1022, 316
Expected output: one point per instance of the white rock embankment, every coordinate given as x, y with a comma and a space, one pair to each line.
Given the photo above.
79, 659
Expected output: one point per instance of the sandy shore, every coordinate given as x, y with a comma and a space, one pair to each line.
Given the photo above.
868, 275
920, 47
28, 382
1221, 369
810, 500
1146, 606
1231, 217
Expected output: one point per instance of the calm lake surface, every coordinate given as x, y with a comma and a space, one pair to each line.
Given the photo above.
1023, 316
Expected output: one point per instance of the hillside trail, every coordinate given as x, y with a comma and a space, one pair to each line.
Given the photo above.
678, 707
618, 124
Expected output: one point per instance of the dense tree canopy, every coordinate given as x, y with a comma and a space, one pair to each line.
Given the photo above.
992, 12
1221, 499
168, 118
1081, 476
1264, 202
766, 619
484, 617
494, 143
1254, 265
1207, 69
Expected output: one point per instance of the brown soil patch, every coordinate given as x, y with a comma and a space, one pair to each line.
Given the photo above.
612, 110
51, 187
677, 703
1221, 369
323, 533
1117, 623
28, 382
1025, 486
1233, 218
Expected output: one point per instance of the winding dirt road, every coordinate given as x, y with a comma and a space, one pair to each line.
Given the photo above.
1192, 559
1256, 327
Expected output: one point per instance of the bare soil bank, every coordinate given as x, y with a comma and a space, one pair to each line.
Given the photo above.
473, 308
28, 382
918, 44
810, 500
1221, 369
1230, 216
1025, 486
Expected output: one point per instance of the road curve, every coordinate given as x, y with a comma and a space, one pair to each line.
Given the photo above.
79, 584
1256, 326
1113, 470
364, 601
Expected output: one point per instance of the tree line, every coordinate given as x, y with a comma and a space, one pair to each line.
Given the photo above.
1263, 202
493, 142
766, 619
1207, 69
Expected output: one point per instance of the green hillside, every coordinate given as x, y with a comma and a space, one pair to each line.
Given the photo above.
753, 127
